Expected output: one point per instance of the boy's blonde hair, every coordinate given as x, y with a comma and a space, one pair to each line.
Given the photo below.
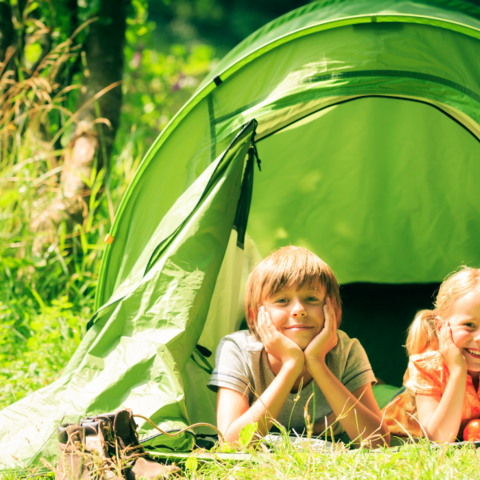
286, 267
422, 332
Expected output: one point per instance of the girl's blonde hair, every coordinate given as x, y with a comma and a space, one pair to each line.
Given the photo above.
286, 267
422, 332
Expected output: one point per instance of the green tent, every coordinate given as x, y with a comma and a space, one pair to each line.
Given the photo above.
366, 117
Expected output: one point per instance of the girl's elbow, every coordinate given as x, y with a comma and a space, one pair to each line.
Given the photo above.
438, 437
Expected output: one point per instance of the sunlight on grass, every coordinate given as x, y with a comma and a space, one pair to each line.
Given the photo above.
410, 461
421, 461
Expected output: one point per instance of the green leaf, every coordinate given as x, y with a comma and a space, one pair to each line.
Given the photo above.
247, 433
227, 448
38, 298
394, 458
32, 52
191, 464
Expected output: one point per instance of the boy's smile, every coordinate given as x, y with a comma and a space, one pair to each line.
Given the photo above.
297, 313
465, 325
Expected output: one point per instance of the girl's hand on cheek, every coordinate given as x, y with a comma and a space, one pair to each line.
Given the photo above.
452, 355
325, 340
276, 344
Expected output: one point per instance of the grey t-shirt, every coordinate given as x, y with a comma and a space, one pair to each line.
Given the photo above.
241, 360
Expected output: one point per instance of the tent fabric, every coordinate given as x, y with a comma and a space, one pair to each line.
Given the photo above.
134, 356
391, 48
365, 116
330, 14
371, 218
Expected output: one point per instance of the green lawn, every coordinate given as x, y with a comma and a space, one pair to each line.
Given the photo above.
420, 461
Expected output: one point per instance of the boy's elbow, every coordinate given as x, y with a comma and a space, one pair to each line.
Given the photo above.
229, 438
375, 440
230, 434
385, 435
232, 437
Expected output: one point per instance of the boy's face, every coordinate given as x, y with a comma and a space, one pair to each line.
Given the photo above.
297, 313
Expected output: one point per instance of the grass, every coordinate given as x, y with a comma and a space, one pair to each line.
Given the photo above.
421, 461
46, 297
47, 294
411, 461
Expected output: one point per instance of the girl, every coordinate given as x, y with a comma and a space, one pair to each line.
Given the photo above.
442, 379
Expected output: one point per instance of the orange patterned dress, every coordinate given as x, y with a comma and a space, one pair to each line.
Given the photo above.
426, 374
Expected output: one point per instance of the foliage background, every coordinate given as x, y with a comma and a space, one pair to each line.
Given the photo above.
47, 295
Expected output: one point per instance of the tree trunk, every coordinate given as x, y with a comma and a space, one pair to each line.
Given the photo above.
6, 28
104, 53
92, 142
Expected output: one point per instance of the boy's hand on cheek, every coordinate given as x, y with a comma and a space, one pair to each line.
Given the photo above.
276, 344
325, 340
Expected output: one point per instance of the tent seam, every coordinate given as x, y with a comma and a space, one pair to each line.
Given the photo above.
360, 97
213, 136
340, 22
364, 73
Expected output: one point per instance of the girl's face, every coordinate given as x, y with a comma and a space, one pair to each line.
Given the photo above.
297, 313
465, 324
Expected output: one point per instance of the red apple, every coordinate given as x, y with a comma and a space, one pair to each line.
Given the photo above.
472, 431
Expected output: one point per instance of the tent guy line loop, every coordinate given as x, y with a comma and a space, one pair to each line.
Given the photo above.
253, 151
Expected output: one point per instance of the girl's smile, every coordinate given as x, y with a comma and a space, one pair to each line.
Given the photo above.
465, 325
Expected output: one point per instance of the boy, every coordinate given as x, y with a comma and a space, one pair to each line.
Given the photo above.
293, 308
